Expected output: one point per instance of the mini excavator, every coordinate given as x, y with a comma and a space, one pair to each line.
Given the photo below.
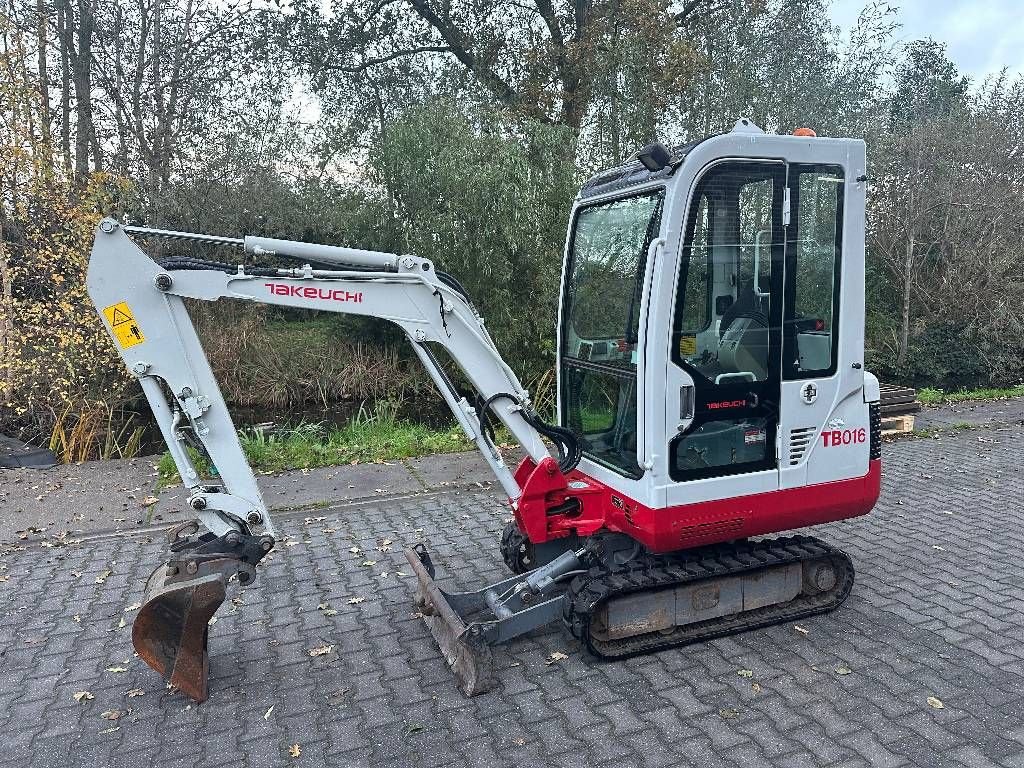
711, 390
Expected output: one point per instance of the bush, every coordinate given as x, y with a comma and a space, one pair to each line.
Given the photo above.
487, 201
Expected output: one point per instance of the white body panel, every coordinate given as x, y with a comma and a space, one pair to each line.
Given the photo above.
841, 396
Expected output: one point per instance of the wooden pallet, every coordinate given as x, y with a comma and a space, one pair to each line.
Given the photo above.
897, 406
897, 401
897, 425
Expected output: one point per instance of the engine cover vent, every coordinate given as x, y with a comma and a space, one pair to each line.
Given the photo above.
799, 439
714, 528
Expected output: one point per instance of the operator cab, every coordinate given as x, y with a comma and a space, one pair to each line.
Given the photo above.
705, 296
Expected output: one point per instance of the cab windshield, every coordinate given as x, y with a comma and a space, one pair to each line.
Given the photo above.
601, 320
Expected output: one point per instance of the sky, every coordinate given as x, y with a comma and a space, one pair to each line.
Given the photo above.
982, 36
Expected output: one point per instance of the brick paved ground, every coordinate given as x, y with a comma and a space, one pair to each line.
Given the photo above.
937, 611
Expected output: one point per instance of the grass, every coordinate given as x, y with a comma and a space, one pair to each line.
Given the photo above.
94, 429
369, 437
934, 396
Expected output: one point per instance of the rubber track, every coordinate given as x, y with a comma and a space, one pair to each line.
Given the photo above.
604, 582
511, 539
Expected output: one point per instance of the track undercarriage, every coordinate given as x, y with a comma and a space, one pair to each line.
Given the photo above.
619, 600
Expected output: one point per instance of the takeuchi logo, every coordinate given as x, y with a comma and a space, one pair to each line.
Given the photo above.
309, 292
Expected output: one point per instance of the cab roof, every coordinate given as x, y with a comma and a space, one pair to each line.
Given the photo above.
632, 173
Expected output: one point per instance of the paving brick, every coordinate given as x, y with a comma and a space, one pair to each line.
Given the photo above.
920, 622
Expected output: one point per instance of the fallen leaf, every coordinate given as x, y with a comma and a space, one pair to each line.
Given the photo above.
935, 703
111, 730
415, 728
368, 563
294, 750
519, 742
354, 550
133, 607
843, 671
800, 629
745, 673
728, 714
83, 696
77, 618
103, 576
111, 714
117, 669
755, 687
266, 715
355, 600
555, 657
122, 623
133, 692
321, 650
148, 501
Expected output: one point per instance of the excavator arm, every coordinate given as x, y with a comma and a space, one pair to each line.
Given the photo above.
142, 303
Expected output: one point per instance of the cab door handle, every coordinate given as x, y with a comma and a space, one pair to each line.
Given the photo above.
687, 401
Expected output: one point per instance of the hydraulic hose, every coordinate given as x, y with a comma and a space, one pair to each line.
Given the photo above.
566, 443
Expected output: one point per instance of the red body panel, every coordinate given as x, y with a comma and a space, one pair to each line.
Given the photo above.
546, 509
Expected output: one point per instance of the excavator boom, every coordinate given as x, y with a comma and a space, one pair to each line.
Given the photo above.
142, 304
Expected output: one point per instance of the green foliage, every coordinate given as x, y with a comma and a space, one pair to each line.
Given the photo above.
373, 436
934, 396
487, 200
928, 86
463, 137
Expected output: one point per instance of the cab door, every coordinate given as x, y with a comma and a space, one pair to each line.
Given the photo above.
726, 340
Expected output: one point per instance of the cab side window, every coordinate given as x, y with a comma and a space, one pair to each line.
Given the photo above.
814, 249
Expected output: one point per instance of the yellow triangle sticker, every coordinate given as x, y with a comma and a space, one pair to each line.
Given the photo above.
123, 327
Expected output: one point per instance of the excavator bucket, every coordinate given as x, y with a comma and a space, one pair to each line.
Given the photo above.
170, 632
171, 629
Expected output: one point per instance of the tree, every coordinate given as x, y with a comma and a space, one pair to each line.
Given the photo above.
919, 173
488, 203
55, 358
171, 74
544, 60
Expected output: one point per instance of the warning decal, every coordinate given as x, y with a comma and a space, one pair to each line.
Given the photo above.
687, 346
123, 325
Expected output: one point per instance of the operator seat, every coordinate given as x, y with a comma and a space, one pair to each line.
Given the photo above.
747, 304
743, 336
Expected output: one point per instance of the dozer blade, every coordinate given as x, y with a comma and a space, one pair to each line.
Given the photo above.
171, 629
462, 645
